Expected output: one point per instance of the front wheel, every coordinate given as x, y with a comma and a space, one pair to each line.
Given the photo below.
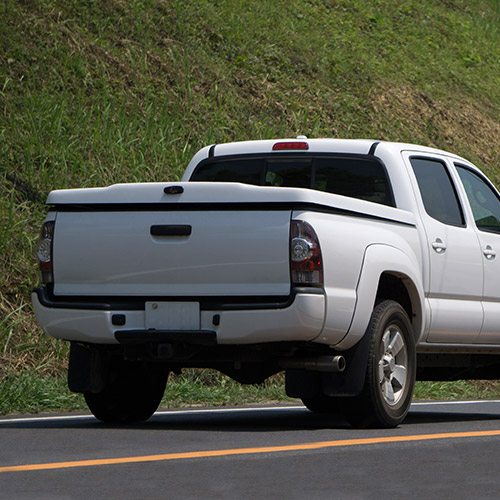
132, 393
390, 374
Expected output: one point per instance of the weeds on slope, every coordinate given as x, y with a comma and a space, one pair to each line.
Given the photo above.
98, 93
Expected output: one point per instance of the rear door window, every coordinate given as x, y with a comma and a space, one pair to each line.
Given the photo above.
438, 192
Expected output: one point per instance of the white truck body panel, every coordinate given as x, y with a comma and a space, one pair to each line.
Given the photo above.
301, 321
227, 253
222, 193
109, 251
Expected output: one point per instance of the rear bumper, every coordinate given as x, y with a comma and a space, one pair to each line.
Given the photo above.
301, 320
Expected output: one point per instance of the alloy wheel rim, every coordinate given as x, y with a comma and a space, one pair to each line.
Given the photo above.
393, 365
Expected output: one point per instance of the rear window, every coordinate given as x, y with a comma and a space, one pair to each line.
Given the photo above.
357, 177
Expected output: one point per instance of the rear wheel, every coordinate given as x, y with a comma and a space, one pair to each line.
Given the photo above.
132, 394
390, 374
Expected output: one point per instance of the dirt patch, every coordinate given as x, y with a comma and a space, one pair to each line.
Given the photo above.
463, 129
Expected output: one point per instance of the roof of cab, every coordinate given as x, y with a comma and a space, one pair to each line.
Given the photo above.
347, 146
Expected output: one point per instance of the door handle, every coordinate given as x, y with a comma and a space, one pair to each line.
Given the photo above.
171, 230
439, 246
489, 253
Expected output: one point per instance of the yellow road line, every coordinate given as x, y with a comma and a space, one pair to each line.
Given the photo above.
247, 451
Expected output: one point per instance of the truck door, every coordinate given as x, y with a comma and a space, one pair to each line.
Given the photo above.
485, 205
454, 285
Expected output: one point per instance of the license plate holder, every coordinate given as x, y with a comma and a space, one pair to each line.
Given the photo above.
172, 315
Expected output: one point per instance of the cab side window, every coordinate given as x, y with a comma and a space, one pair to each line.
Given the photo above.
438, 192
483, 200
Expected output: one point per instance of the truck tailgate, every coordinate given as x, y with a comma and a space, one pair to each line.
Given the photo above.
172, 253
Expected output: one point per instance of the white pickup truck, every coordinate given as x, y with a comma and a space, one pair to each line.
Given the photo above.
356, 266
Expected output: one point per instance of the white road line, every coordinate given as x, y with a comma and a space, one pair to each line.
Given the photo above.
221, 410
480, 401
166, 412
45, 419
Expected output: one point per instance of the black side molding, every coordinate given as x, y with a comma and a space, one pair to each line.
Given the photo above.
136, 303
171, 230
373, 148
192, 337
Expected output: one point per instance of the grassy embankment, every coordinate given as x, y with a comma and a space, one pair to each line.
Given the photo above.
93, 93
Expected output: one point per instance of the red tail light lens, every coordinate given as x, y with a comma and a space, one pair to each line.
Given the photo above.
291, 145
44, 252
306, 263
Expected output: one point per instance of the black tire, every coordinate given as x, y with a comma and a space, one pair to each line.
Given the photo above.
132, 394
390, 374
322, 404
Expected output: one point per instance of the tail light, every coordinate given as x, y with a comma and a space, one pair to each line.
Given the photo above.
44, 252
306, 263
290, 145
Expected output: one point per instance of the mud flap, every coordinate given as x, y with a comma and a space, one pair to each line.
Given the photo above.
87, 369
350, 382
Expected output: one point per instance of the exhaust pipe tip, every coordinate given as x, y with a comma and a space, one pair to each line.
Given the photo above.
339, 362
321, 363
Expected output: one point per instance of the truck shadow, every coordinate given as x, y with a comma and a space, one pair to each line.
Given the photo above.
436, 417
299, 419
246, 420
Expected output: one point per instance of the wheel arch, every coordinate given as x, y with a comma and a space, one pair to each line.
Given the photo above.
387, 273
402, 289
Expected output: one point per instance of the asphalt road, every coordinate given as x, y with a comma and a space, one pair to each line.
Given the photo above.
443, 450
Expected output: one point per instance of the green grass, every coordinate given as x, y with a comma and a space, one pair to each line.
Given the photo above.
28, 392
462, 389
210, 388
94, 93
